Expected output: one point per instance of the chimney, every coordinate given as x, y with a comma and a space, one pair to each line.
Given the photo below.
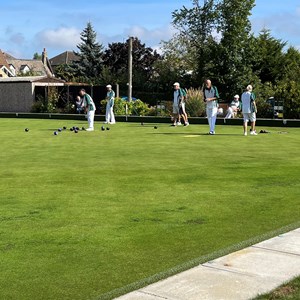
44, 57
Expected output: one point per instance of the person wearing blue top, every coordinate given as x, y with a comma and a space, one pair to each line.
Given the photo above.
179, 97
110, 97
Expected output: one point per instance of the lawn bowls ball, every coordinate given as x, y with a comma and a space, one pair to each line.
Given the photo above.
55, 133
64, 128
71, 129
26, 129
102, 128
59, 129
155, 127
76, 131
107, 128
82, 128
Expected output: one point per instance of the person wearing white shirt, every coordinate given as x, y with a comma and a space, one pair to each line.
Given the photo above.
249, 109
210, 96
110, 97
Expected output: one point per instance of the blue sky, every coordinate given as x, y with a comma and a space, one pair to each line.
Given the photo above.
27, 26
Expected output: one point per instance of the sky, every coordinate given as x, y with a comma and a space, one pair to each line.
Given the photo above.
28, 26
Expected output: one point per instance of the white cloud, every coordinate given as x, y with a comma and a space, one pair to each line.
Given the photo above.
17, 38
151, 37
62, 38
283, 25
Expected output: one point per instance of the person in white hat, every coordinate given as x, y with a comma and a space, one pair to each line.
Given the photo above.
179, 105
89, 108
110, 97
249, 109
233, 108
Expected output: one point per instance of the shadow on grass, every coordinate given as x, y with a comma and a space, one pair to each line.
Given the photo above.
195, 134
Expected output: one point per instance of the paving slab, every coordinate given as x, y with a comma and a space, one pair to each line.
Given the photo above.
240, 275
287, 243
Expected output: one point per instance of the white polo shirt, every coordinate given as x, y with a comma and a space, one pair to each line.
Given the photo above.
176, 98
246, 101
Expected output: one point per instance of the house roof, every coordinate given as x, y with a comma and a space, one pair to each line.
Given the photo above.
36, 66
40, 79
8, 56
22, 79
3, 61
66, 57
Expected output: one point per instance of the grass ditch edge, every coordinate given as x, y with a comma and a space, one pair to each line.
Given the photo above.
195, 262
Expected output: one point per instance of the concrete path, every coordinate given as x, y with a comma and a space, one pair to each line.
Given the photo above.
241, 275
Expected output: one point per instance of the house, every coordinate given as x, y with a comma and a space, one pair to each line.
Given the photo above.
18, 94
67, 57
5, 70
29, 66
24, 69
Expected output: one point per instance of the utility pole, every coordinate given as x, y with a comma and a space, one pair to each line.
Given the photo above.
130, 69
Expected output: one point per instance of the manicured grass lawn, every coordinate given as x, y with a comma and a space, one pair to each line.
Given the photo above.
288, 291
84, 214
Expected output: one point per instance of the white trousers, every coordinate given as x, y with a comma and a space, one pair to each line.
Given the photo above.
230, 113
90, 118
212, 118
109, 116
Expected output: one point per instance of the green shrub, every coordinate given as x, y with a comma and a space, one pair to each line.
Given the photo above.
42, 105
195, 106
137, 107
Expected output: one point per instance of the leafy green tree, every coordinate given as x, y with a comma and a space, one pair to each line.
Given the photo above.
116, 60
90, 54
67, 72
177, 63
235, 49
220, 33
37, 56
197, 26
289, 92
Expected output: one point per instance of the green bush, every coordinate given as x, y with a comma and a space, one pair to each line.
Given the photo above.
137, 107
42, 105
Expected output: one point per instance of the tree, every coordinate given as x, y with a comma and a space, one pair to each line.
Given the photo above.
176, 64
291, 67
90, 54
288, 88
197, 26
67, 72
116, 59
235, 49
268, 60
221, 33
37, 56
